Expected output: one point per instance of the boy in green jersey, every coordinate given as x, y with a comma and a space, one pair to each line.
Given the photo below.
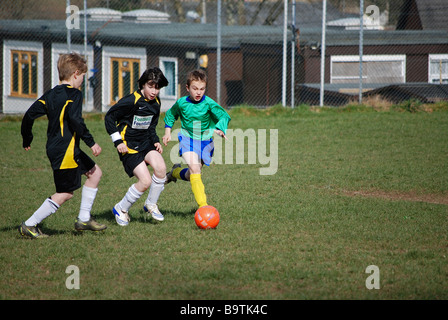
200, 117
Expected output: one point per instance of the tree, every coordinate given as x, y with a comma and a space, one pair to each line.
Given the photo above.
275, 11
235, 7
177, 4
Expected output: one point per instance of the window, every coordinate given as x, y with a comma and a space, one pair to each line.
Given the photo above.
169, 69
121, 67
375, 69
124, 77
24, 74
438, 68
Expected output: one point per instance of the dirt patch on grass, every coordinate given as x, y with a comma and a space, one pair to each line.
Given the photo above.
401, 196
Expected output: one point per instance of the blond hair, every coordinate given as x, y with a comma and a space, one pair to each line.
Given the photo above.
69, 63
196, 75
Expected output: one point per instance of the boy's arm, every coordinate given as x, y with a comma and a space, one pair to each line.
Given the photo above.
36, 110
113, 116
152, 129
170, 117
167, 136
221, 117
77, 122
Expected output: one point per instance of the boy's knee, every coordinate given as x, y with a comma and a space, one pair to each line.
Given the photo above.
97, 172
160, 172
62, 197
159, 168
68, 196
94, 173
145, 183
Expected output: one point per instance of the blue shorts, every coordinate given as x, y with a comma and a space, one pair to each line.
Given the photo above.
204, 149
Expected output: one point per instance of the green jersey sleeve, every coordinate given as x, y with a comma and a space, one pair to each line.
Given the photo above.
172, 115
220, 117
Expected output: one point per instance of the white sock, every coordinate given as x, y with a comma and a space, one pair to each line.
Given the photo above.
46, 209
87, 199
155, 189
130, 198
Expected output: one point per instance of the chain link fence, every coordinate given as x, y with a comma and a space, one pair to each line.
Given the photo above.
252, 55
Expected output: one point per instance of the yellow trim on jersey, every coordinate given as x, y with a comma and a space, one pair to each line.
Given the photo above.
43, 102
61, 117
122, 133
69, 158
137, 96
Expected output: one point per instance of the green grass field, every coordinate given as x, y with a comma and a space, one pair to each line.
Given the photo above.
354, 187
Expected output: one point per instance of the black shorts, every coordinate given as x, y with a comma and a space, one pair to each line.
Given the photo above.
131, 160
68, 180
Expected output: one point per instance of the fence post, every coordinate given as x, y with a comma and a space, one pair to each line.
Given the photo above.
69, 35
361, 42
322, 52
218, 55
293, 52
285, 29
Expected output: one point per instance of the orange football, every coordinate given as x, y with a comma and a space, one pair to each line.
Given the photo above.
206, 217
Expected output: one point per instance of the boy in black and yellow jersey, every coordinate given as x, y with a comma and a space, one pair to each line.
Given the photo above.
63, 107
131, 123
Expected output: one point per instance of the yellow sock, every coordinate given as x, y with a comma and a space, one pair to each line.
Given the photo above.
176, 173
198, 189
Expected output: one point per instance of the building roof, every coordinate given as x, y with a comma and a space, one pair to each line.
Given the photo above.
146, 16
368, 22
205, 35
101, 14
425, 93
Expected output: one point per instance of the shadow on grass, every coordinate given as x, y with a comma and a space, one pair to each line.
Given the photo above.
139, 215
45, 229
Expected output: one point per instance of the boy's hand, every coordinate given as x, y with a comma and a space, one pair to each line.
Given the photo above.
166, 138
122, 148
158, 147
220, 133
96, 149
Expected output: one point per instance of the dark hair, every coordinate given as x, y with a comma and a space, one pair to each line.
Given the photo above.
154, 76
